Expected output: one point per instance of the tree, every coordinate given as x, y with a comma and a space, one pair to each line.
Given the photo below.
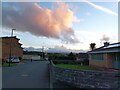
71, 56
92, 46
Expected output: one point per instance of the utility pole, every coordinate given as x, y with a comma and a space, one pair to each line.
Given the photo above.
11, 46
43, 52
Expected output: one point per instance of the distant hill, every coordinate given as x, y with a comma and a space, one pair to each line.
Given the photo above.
53, 50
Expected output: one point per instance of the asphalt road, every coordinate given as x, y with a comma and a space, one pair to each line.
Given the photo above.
26, 75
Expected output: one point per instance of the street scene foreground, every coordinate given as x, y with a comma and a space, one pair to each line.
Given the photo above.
26, 75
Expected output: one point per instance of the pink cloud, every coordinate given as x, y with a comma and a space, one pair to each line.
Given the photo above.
39, 21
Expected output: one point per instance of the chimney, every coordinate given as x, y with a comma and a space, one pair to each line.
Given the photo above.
106, 43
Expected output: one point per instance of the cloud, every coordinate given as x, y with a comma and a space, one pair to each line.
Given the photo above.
75, 19
101, 8
39, 21
105, 38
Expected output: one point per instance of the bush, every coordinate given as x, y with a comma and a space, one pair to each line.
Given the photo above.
64, 62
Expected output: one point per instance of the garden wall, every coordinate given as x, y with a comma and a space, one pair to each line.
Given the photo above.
86, 79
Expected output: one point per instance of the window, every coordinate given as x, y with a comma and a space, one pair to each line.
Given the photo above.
97, 56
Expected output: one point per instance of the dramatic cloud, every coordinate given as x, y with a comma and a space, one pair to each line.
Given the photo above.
101, 8
31, 17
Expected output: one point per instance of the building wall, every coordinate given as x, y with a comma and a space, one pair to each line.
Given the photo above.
108, 61
98, 63
28, 57
114, 60
15, 46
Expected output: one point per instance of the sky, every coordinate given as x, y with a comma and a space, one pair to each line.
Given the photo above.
66, 25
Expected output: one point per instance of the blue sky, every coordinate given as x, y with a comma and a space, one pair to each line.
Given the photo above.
93, 22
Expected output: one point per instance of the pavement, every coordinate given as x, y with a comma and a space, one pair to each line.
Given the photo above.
27, 74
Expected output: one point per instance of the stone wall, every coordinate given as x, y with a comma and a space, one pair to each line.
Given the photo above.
86, 79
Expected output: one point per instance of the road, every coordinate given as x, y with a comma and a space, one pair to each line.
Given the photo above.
26, 75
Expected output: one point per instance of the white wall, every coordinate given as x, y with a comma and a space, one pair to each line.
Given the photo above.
34, 57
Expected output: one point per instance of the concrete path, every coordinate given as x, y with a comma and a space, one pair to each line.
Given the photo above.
26, 75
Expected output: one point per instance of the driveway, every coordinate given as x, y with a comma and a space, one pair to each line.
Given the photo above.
26, 75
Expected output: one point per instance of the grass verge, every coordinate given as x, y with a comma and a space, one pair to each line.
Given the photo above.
75, 67
7, 64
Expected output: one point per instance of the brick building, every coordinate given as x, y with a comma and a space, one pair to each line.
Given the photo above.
107, 56
7, 43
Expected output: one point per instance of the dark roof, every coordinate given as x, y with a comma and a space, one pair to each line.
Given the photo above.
9, 37
20, 43
114, 47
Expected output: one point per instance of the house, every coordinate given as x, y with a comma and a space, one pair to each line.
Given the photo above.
81, 56
107, 56
10, 47
28, 55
